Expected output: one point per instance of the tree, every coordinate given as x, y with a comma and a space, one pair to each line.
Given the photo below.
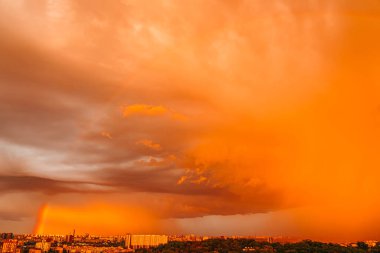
362, 245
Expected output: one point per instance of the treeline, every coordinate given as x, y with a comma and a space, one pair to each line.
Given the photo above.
247, 245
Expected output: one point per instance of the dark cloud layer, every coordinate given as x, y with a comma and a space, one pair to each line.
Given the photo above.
45, 185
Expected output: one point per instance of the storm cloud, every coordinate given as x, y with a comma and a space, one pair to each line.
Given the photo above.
192, 109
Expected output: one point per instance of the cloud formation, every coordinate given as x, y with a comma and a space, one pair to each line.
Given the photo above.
193, 109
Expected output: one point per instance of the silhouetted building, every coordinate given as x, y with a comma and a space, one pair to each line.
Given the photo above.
6, 236
69, 238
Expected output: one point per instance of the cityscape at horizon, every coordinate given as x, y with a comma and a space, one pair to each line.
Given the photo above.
72, 243
74, 236
189, 126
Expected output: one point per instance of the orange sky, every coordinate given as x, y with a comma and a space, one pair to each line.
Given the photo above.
207, 117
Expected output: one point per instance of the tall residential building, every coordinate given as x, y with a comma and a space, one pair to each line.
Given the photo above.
145, 241
128, 241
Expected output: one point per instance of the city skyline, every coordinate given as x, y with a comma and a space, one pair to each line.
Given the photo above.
73, 243
206, 117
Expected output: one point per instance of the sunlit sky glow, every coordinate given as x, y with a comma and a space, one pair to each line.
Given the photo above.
249, 117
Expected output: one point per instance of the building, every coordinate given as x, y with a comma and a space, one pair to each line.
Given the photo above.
35, 250
9, 246
44, 246
69, 238
371, 243
58, 249
145, 241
